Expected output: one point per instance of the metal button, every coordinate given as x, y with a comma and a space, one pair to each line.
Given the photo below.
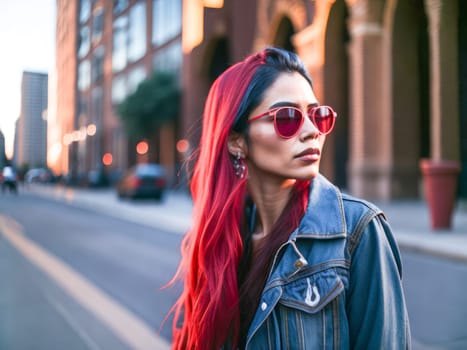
300, 263
264, 306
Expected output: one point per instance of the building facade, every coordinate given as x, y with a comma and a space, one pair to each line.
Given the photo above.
3, 158
31, 145
62, 106
105, 48
395, 71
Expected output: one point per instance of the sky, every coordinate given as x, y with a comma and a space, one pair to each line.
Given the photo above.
27, 42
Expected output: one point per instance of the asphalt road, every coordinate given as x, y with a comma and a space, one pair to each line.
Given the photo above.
130, 262
436, 300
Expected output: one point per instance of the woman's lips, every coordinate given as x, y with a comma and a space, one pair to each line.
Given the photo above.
310, 154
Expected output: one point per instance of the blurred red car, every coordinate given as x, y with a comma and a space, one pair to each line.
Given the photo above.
143, 181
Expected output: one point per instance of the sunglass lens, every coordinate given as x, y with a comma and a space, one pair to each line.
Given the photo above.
324, 119
288, 121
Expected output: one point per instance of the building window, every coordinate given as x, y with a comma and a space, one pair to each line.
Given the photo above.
166, 20
84, 10
82, 105
118, 89
84, 75
119, 6
98, 64
84, 42
97, 106
119, 53
169, 58
137, 32
136, 76
97, 24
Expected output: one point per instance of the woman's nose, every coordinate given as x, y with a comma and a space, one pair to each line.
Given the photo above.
309, 129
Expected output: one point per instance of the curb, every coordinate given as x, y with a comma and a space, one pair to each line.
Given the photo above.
454, 249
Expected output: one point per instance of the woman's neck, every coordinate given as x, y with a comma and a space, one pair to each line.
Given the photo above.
270, 198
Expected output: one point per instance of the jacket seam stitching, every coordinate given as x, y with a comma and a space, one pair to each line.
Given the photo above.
355, 237
337, 329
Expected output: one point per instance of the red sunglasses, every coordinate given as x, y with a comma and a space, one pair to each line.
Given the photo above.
288, 120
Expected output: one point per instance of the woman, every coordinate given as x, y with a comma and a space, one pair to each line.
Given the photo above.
277, 257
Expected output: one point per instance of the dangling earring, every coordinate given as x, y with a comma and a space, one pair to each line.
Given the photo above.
239, 165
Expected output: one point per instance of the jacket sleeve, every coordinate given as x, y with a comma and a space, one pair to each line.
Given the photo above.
376, 307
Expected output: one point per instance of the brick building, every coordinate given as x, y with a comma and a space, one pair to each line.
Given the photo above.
395, 71
104, 49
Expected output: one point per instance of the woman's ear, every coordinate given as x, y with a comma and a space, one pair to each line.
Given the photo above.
236, 144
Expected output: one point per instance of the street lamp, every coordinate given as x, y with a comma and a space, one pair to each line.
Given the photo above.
107, 159
91, 129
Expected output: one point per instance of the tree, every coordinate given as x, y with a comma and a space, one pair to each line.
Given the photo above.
155, 102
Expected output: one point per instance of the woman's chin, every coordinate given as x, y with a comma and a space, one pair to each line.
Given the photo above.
309, 175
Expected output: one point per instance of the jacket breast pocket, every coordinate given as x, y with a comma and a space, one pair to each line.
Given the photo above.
310, 310
311, 293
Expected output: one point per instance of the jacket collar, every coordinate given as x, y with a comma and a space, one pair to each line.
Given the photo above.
324, 216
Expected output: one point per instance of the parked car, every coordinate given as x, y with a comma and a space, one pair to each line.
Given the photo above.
143, 180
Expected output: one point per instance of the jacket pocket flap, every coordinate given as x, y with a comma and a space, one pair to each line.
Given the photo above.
313, 292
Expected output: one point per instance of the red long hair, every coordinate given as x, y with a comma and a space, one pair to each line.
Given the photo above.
211, 251
207, 314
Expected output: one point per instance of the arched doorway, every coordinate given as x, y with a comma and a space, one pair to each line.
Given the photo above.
335, 87
284, 33
216, 58
209, 64
410, 96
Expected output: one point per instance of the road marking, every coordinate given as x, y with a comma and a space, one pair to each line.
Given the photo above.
126, 325
91, 344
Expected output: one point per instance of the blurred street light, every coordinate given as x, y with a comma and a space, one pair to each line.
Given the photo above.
183, 146
91, 129
142, 147
107, 159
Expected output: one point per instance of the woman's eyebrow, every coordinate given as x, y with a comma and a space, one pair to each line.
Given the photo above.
292, 104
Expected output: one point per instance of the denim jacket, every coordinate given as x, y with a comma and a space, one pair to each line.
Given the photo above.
336, 283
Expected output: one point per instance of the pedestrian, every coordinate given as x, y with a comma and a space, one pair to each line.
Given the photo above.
277, 257
9, 179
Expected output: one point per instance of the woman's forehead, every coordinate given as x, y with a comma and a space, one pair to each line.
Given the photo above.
289, 87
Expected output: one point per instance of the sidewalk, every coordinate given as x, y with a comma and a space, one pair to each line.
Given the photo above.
173, 213
409, 219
